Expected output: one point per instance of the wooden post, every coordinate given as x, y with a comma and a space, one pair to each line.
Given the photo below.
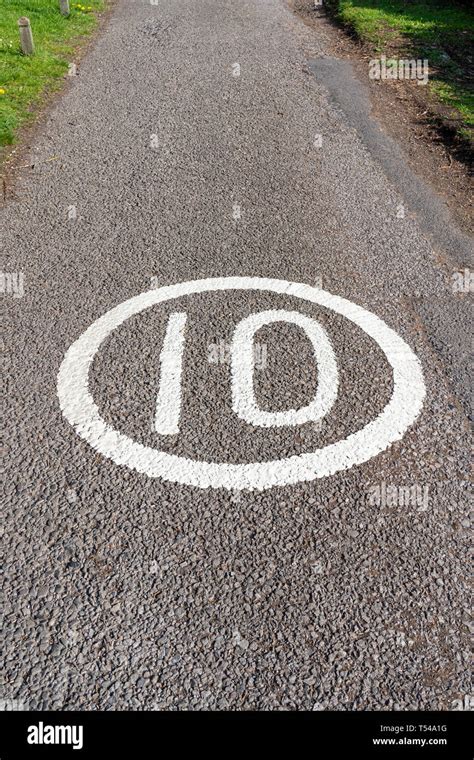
26, 37
64, 7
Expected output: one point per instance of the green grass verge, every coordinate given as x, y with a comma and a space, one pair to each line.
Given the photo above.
24, 80
440, 30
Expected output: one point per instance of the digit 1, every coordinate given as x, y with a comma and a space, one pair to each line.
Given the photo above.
168, 400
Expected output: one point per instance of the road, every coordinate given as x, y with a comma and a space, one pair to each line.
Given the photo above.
176, 536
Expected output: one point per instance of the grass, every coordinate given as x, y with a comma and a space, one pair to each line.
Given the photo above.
25, 80
440, 30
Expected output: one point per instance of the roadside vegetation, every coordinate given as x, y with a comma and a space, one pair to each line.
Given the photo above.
26, 80
441, 31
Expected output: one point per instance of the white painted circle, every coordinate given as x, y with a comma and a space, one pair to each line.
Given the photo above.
389, 426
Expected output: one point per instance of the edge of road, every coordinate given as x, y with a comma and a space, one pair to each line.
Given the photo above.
350, 96
452, 249
397, 108
12, 156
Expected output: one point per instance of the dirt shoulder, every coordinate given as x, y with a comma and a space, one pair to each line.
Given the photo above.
402, 109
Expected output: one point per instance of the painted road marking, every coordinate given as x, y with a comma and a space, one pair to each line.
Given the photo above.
244, 402
168, 401
389, 426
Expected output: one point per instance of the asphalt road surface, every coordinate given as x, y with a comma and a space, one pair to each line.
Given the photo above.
248, 491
